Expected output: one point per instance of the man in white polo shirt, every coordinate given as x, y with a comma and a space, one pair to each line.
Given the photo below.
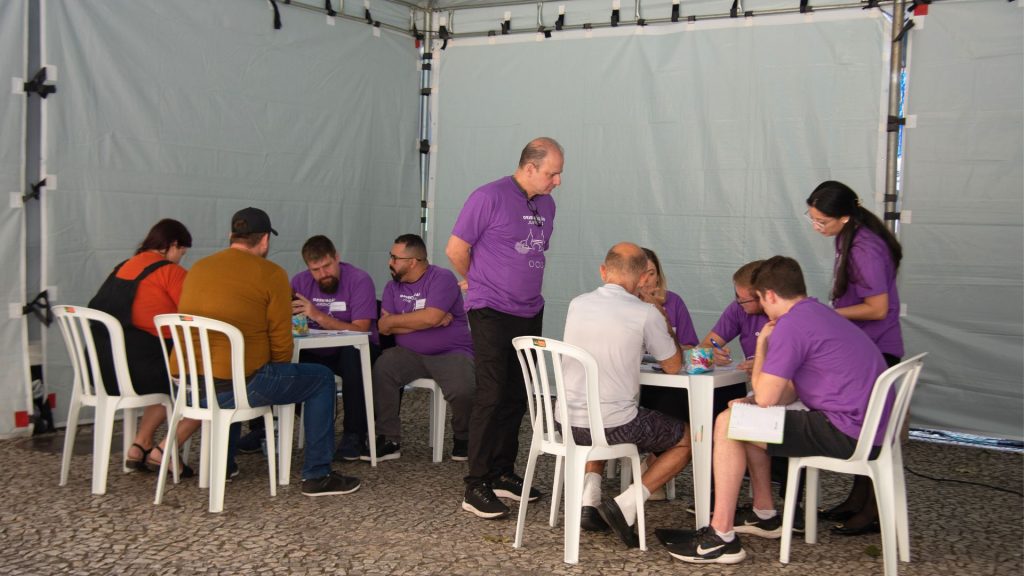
615, 326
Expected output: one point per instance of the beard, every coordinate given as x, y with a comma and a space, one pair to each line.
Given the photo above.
395, 275
328, 285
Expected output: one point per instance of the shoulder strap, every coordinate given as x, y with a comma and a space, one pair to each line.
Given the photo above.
148, 270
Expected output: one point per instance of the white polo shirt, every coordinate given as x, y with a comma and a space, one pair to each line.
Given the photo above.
615, 327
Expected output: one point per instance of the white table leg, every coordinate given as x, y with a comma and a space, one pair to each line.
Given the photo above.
702, 395
371, 428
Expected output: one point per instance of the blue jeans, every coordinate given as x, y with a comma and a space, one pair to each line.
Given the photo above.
286, 383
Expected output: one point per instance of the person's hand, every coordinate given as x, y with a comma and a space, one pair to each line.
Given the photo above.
384, 313
722, 355
464, 285
653, 295
747, 366
762, 336
302, 305
446, 320
744, 400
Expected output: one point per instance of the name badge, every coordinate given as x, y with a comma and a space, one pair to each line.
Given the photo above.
338, 307
420, 304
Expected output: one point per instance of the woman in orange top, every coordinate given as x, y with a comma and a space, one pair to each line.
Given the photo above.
158, 292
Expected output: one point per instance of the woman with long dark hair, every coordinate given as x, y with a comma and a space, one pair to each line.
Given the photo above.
864, 291
147, 284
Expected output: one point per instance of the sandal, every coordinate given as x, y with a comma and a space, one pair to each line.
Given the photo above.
185, 472
138, 463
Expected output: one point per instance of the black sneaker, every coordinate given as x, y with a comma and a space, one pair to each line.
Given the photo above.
330, 485
386, 450
511, 486
481, 500
350, 447
747, 522
707, 548
252, 442
460, 450
232, 471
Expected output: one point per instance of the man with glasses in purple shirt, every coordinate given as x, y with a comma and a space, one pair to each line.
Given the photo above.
806, 352
498, 246
422, 307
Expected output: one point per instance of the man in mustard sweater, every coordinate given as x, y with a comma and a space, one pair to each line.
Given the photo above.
240, 286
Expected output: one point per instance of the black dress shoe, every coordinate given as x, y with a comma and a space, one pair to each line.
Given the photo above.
835, 514
842, 529
612, 515
591, 521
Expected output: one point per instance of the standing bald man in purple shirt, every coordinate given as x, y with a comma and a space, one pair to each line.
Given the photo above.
498, 246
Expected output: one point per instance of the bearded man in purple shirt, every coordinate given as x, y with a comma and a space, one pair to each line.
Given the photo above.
806, 352
422, 307
498, 246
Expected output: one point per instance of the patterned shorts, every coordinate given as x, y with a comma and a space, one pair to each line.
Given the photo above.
651, 431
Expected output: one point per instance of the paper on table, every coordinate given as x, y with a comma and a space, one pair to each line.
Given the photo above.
752, 423
315, 331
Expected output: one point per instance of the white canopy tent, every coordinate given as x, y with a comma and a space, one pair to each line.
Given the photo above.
699, 139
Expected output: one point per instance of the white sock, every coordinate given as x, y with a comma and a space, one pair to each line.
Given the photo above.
765, 514
591, 489
726, 536
627, 502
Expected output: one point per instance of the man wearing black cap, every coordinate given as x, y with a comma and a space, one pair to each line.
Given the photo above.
240, 286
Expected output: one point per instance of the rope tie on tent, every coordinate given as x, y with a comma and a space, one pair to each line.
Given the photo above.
443, 34
38, 85
40, 307
903, 31
893, 123
327, 7
277, 14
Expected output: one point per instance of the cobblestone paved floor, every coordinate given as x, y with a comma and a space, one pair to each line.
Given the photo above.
406, 519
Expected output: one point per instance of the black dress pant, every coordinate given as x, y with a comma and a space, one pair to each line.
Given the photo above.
500, 392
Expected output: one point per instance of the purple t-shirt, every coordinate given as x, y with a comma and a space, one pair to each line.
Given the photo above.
872, 272
355, 299
437, 288
832, 363
735, 322
506, 269
680, 318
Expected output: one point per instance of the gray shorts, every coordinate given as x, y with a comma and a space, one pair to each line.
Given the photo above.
651, 431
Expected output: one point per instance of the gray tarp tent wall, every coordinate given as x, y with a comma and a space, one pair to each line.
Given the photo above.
700, 139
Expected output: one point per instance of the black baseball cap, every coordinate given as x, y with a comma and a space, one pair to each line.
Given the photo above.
251, 221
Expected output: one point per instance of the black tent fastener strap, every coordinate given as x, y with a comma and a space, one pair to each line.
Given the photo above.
734, 11
34, 194
544, 31
615, 18
40, 306
329, 9
890, 197
424, 146
38, 85
641, 22
506, 27
871, 4
560, 22
691, 18
804, 8
588, 26
442, 33
675, 12
367, 17
892, 216
748, 14
903, 32
489, 33
425, 91
277, 15
894, 122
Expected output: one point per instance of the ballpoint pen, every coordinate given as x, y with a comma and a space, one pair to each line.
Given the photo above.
719, 346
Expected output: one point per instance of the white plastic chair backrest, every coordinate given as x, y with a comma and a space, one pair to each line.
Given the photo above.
192, 334
74, 322
903, 377
533, 353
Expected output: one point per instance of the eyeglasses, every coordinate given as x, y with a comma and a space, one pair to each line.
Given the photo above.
817, 222
393, 258
747, 301
536, 215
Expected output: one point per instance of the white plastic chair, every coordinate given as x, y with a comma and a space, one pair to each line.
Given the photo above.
533, 353
191, 336
88, 390
438, 410
885, 472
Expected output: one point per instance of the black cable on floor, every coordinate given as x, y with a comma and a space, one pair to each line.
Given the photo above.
908, 469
